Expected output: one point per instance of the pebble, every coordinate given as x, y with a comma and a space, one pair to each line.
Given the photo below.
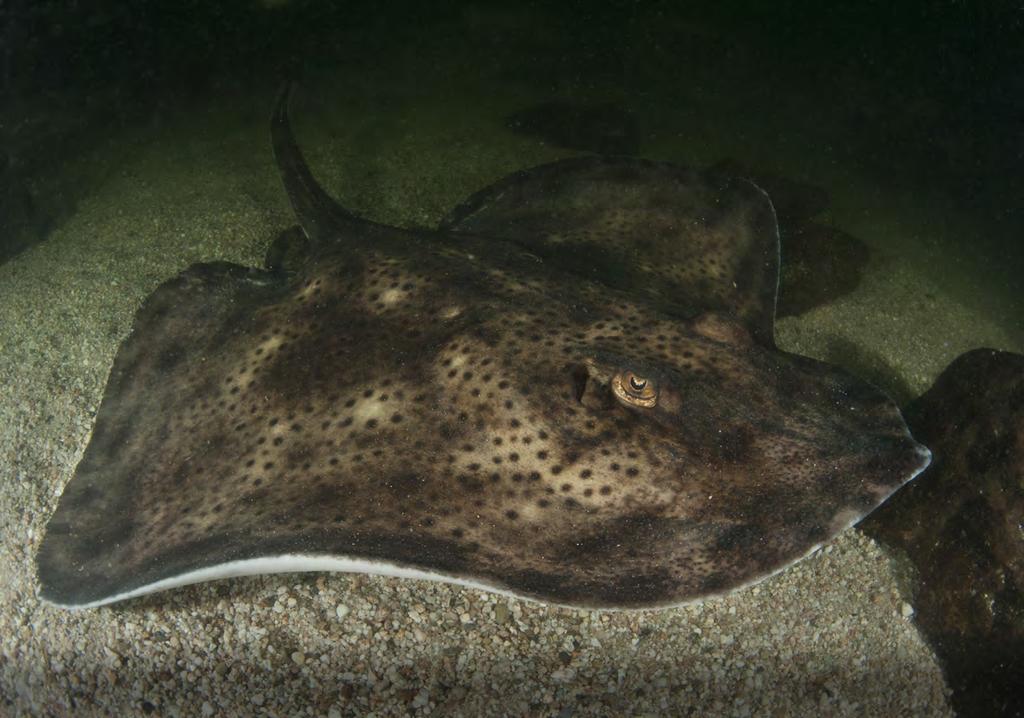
501, 612
563, 675
422, 698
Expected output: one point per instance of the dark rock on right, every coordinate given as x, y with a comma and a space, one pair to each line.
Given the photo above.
962, 524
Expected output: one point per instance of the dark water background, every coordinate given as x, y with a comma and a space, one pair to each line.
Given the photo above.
917, 94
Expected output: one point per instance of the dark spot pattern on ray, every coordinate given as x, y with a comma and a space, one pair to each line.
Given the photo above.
446, 403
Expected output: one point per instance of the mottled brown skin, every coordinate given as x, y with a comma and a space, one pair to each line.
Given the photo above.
447, 402
678, 240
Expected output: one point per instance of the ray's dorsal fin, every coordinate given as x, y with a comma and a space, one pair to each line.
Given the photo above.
690, 242
319, 215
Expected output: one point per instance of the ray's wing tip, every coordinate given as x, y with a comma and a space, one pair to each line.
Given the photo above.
52, 601
80, 598
55, 598
924, 459
60, 586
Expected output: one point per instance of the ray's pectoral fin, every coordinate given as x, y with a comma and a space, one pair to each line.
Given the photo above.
172, 357
691, 242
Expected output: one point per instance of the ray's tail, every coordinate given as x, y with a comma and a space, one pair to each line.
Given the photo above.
320, 216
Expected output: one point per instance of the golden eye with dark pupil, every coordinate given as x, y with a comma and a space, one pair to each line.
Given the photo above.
634, 390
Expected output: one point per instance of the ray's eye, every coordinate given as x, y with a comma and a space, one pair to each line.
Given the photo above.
634, 389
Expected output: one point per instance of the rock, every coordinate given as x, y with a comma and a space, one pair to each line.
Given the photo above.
960, 523
422, 698
501, 612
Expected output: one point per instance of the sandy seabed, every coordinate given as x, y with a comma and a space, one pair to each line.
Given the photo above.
833, 635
